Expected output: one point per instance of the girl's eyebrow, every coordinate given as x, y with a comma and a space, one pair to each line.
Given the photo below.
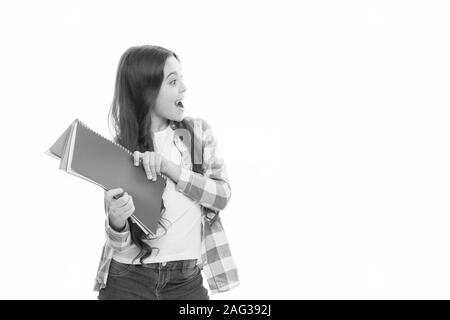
173, 72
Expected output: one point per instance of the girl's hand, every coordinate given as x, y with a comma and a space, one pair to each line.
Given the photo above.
153, 162
119, 210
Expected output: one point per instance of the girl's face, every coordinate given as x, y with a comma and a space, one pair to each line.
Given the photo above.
170, 94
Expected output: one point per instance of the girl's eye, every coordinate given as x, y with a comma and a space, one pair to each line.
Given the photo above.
173, 81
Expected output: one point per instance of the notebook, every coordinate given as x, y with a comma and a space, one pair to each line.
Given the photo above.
90, 156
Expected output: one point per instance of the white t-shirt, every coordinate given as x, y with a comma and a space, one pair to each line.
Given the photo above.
182, 217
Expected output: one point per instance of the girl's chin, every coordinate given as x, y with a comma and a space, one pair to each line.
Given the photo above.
177, 117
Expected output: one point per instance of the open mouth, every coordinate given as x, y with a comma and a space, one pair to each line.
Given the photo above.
179, 104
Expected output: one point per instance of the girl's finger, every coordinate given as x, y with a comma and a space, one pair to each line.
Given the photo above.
136, 156
158, 165
146, 164
152, 165
113, 192
127, 206
123, 200
128, 213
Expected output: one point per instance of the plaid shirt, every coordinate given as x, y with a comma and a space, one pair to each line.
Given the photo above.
212, 191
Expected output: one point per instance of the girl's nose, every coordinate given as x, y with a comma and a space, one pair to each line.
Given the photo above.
183, 87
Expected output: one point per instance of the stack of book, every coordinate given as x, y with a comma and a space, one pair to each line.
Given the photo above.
90, 156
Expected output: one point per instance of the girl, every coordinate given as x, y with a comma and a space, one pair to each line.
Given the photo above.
148, 116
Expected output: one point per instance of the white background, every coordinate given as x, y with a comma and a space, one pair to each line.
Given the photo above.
332, 117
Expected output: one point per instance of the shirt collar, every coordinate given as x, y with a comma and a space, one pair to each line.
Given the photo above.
173, 124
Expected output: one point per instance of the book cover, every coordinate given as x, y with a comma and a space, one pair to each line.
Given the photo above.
90, 156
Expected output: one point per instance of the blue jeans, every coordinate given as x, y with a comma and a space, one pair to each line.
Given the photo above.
172, 280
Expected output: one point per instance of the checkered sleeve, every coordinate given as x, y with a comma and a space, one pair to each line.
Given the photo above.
212, 188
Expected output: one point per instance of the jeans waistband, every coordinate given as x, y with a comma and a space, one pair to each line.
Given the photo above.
172, 265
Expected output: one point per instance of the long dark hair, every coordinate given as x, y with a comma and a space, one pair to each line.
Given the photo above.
140, 74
